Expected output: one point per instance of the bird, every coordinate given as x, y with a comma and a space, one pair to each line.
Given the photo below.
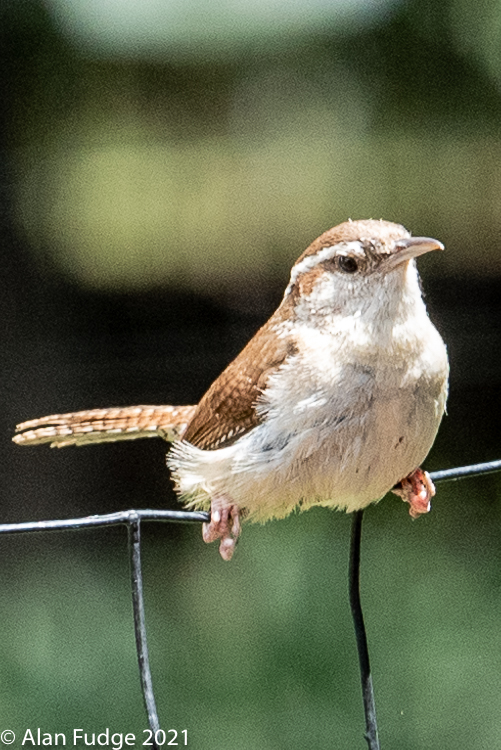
334, 402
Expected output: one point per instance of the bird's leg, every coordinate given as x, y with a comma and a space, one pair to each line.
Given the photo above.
417, 489
224, 525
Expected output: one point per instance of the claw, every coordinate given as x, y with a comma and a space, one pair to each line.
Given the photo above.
417, 489
224, 525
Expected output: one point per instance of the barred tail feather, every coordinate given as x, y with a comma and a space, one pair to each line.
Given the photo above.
105, 425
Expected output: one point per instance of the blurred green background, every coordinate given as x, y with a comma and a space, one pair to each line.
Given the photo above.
162, 166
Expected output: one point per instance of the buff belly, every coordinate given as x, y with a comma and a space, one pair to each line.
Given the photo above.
319, 451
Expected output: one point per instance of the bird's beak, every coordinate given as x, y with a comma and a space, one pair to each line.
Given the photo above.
411, 247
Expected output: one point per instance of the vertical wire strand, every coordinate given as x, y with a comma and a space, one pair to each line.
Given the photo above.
371, 731
134, 529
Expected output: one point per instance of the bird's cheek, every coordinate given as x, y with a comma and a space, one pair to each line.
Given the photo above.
308, 281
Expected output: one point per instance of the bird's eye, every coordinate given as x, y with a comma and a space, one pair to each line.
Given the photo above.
347, 264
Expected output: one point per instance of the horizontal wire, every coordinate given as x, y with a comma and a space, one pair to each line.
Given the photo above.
198, 516
465, 471
108, 519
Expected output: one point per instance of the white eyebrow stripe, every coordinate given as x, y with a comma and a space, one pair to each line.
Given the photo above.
326, 253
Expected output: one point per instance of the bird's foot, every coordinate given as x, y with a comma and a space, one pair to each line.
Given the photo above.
417, 489
224, 525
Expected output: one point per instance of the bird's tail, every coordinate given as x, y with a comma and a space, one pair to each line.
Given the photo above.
105, 426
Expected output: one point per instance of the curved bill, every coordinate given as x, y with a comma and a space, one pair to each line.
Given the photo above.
410, 247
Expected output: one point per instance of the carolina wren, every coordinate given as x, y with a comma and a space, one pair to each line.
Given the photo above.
335, 401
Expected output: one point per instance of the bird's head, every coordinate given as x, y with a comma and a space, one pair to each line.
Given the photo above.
357, 267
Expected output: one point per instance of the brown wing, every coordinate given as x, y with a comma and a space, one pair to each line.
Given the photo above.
228, 409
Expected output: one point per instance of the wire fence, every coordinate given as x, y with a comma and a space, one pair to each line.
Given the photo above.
132, 519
